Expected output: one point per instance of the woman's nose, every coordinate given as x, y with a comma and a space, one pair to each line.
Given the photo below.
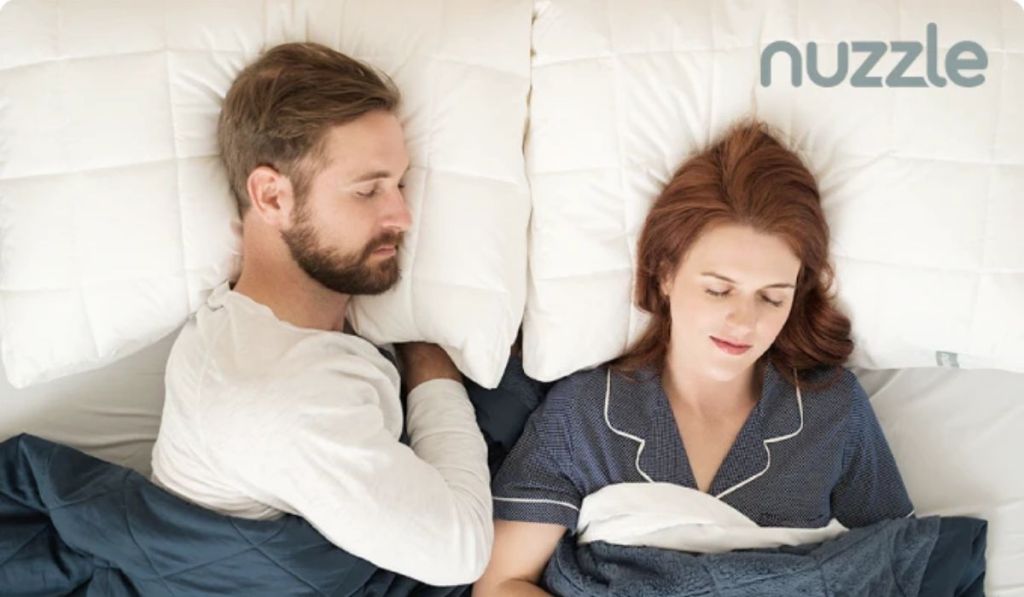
742, 318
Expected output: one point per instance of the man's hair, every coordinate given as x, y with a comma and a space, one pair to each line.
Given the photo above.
280, 108
748, 177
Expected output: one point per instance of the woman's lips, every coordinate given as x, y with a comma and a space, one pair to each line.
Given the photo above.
730, 348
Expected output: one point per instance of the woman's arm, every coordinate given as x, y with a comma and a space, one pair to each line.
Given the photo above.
521, 551
870, 488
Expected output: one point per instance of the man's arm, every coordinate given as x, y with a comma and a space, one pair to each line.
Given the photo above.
422, 511
423, 362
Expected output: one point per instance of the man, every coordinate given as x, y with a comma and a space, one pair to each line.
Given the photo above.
271, 407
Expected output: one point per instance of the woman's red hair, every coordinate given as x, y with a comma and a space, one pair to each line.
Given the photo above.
746, 178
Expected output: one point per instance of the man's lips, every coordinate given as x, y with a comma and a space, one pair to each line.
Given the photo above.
729, 347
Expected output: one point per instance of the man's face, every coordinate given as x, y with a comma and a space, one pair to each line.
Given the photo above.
347, 230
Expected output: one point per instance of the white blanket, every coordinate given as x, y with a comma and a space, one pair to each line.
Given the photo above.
676, 517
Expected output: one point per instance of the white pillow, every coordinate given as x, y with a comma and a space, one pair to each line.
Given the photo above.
922, 187
115, 214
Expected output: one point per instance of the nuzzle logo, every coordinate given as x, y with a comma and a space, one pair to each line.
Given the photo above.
962, 56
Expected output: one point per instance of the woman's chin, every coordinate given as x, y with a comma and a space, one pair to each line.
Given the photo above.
725, 367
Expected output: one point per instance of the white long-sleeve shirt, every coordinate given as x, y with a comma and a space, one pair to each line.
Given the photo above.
262, 418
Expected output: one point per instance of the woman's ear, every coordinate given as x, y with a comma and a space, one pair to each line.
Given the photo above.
802, 283
666, 276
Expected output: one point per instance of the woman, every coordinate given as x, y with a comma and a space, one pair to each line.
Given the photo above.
737, 387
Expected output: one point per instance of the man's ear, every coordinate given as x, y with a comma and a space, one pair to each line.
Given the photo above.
271, 195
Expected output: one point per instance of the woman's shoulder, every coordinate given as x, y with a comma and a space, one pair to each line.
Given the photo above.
578, 391
567, 409
833, 388
583, 399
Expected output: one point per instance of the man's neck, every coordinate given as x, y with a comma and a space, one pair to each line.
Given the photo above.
280, 284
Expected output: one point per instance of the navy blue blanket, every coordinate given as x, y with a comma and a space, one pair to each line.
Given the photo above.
71, 524
928, 557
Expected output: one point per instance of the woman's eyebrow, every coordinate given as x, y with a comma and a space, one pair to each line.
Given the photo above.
731, 281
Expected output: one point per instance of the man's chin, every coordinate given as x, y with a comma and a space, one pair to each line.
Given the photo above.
384, 280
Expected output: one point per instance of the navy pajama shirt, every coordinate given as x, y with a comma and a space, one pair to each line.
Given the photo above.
800, 459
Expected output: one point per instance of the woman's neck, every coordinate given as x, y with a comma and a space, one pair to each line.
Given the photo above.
699, 392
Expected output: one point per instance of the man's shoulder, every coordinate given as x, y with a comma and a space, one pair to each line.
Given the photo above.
224, 364
242, 344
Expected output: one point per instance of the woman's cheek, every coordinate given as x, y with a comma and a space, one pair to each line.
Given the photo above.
779, 321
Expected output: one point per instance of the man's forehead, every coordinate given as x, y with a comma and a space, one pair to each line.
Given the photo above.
355, 167
368, 148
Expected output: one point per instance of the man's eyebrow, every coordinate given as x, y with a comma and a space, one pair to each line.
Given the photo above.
377, 175
374, 175
731, 281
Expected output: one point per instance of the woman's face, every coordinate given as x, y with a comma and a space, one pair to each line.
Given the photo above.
730, 298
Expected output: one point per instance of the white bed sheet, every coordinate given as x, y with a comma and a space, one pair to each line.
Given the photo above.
112, 413
957, 436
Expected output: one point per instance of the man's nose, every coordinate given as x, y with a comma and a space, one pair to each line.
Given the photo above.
397, 216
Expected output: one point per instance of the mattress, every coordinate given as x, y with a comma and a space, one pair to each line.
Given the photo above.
112, 413
956, 435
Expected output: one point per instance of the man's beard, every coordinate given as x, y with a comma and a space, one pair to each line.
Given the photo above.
348, 274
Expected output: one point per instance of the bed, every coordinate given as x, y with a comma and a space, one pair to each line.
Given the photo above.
554, 134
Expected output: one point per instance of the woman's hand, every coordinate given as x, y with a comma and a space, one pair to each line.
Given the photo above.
521, 551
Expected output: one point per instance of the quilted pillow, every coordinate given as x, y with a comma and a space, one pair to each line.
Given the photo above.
115, 214
922, 186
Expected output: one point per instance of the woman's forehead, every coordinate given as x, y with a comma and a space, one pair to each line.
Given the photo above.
743, 256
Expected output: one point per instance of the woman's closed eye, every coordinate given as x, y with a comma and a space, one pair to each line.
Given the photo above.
723, 293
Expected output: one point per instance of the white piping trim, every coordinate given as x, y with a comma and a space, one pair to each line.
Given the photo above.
641, 441
532, 501
912, 512
779, 438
